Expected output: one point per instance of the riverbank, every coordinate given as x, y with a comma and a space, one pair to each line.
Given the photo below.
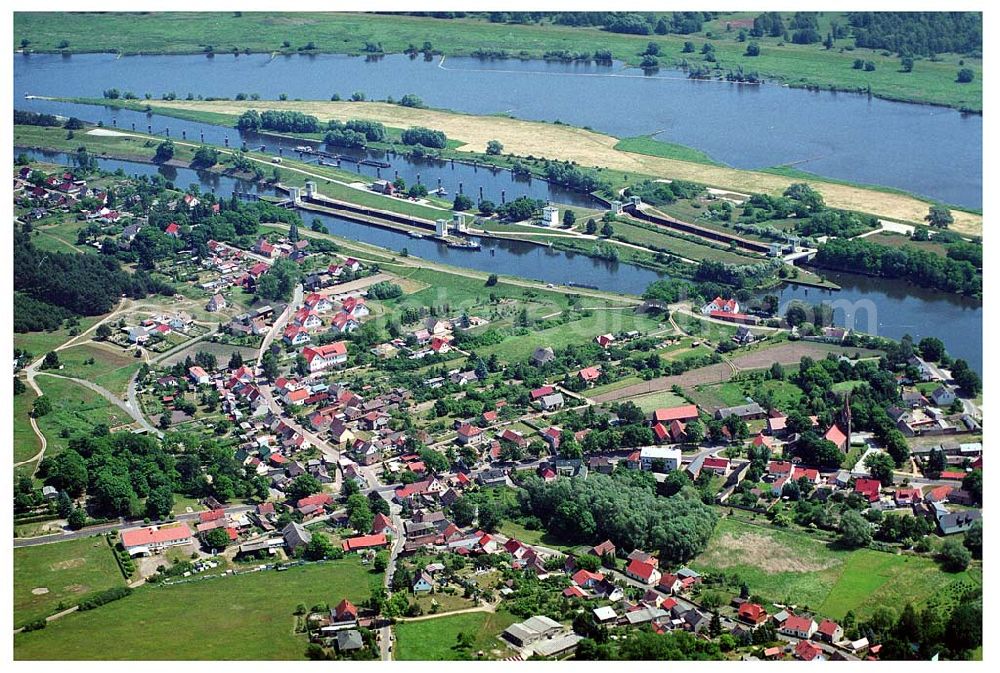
564, 143
805, 66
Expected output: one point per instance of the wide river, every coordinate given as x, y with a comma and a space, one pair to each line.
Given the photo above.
837, 135
877, 306
844, 136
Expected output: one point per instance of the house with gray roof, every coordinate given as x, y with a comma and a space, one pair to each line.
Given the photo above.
295, 536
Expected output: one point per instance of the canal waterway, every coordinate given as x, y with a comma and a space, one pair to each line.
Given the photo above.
879, 306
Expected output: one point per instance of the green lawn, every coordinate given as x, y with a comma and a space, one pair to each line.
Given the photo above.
534, 537
658, 148
792, 567
189, 32
70, 571
661, 240
658, 400
786, 393
39, 343
579, 331
112, 368
76, 409
26, 444
435, 639
246, 617
845, 386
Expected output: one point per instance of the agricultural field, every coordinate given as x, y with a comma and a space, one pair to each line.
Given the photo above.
799, 569
791, 352
436, 639
248, 616
702, 376
62, 572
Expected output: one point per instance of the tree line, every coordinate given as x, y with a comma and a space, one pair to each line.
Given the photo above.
919, 33
920, 267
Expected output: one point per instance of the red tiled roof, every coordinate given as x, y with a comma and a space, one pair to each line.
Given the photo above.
345, 609
153, 535
640, 569
212, 515
797, 623
680, 413
364, 542
751, 612
583, 576
828, 628
835, 435
807, 650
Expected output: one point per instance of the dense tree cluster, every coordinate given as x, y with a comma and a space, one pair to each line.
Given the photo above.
35, 118
917, 266
76, 282
624, 508
117, 470
284, 121
919, 33
663, 193
572, 176
419, 135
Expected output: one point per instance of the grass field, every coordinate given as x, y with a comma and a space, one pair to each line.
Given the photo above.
797, 65
894, 240
790, 567
112, 368
26, 444
70, 571
534, 537
75, 409
435, 639
658, 148
245, 617
658, 400
648, 236
576, 332
40, 343
588, 148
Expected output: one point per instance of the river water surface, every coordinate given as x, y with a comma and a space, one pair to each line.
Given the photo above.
837, 135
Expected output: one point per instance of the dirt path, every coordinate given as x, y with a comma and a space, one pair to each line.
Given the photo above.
479, 608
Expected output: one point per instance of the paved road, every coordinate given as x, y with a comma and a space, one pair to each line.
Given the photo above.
279, 325
107, 527
127, 407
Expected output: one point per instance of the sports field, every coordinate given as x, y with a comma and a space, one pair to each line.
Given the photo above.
67, 572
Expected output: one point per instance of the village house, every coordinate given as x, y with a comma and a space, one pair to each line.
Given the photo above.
319, 358
216, 303
153, 539
656, 456
798, 627
643, 571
